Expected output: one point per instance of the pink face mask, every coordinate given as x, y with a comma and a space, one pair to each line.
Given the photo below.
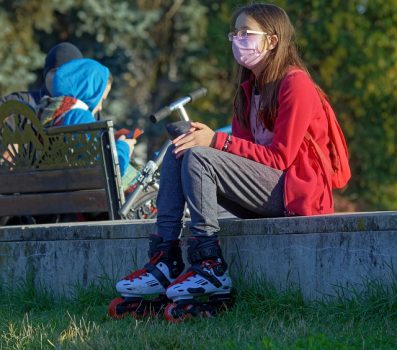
246, 51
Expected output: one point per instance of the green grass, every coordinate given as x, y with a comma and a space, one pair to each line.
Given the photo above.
261, 319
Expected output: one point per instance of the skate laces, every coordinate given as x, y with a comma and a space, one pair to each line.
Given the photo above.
141, 272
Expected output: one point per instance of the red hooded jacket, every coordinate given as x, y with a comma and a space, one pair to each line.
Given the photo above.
307, 187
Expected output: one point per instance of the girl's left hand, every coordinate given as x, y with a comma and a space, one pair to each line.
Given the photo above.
199, 135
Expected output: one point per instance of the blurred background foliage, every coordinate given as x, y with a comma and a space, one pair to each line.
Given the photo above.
160, 50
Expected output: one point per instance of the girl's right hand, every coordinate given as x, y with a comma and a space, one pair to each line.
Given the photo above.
199, 135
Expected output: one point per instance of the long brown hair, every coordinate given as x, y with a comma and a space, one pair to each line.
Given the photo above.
274, 21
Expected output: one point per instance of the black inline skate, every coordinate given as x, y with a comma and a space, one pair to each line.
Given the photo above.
205, 289
143, 291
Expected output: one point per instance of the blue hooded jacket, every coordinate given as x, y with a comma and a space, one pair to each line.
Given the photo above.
86, 80
58, 55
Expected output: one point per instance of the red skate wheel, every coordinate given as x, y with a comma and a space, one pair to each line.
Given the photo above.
112, 309
171, 313
119, 308
140, 315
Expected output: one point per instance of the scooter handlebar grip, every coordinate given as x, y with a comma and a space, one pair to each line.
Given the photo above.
194, 95
161, 114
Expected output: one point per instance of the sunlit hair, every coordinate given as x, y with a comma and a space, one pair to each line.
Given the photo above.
274, 21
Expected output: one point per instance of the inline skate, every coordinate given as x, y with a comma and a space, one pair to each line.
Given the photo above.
143, 291
205, 289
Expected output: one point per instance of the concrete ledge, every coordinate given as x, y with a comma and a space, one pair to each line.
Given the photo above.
320, 255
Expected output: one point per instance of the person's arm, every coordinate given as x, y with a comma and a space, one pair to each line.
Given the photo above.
23, 96
296, 102
78, 116
241, 132
123, 153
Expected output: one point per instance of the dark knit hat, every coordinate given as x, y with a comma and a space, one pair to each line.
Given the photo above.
60, 54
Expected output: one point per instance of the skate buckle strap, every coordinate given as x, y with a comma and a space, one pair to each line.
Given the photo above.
199, 270
155, 271
206, 253
158, 275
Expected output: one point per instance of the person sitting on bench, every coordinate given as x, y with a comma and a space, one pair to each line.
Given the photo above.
79, 88
58, 55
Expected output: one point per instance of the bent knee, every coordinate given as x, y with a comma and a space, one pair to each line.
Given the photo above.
199, 153
197, 158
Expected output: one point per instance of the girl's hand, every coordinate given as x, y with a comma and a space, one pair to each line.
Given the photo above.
130, 142
199, 135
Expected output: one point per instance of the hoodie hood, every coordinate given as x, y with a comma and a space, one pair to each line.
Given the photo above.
84, 79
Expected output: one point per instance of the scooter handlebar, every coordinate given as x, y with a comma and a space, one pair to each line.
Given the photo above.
161, 114
166, 111
197, 94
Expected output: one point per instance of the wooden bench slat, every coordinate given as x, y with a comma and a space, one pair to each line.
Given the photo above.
52, 180
65, 169
54, 203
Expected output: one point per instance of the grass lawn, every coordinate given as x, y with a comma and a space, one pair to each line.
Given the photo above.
260, 319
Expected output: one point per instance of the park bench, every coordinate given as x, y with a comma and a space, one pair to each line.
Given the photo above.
57, 170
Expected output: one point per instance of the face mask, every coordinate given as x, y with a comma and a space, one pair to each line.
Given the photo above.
246, 52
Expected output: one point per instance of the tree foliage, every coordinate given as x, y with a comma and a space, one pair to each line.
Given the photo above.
162, 49
351, 48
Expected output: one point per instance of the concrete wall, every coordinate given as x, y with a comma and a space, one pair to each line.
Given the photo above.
320, 255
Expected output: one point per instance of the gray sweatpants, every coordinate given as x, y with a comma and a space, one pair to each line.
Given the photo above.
204, 177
